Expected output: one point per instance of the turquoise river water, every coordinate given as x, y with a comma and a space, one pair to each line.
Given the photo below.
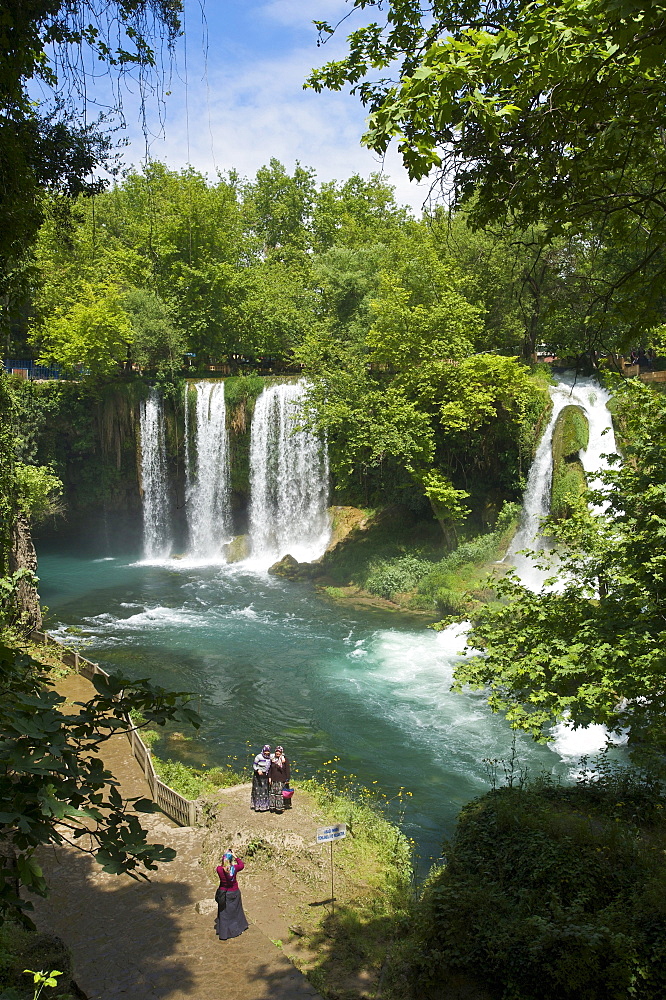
271, 661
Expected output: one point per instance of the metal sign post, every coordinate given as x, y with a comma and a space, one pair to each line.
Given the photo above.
327, 835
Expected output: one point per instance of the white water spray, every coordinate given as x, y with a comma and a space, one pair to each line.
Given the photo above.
154, 483
288, 481
593, 400
208, 511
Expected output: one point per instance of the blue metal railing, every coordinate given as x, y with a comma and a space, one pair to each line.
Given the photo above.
26, 368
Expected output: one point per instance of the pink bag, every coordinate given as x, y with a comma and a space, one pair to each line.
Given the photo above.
287, 793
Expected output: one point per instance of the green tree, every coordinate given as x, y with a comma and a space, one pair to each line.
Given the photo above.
54, 786
278, 206
355, 212
592, 650
93, 333
156, 343
274, 307
392, 380
48, 145
523, 110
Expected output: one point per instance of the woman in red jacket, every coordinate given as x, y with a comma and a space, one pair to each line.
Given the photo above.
231, 920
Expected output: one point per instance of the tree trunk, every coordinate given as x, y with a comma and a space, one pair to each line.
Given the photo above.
22, 555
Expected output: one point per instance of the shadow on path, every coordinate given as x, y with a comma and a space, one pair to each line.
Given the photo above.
125, 935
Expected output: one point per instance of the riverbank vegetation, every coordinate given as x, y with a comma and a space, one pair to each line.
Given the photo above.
394, 555
547, 891
189, 781
355, 942
592, 649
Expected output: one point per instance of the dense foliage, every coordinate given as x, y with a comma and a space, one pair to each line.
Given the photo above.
548, 893
49, 144
407, 331
540, 113
592, 649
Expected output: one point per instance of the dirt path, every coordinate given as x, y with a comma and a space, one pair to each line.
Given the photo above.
137, 941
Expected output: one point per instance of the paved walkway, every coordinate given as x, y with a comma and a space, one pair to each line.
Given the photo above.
137, 941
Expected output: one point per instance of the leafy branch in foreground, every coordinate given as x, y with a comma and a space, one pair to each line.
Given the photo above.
594, 650
54, 787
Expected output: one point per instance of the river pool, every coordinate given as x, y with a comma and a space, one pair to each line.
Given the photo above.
272, 661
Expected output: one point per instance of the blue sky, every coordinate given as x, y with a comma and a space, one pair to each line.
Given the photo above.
245, 71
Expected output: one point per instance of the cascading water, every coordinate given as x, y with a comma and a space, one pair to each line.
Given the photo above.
208, 510
352, 682
155, 493
593, 400
288, 481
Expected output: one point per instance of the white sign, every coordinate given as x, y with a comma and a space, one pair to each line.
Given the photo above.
327, 833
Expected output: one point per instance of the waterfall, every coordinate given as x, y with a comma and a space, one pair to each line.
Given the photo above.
593, 400
208, 510
288, 481
155, 497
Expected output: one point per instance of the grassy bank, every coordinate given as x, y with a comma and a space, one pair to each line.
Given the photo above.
404, 562
375, 912
195, 782
548, 893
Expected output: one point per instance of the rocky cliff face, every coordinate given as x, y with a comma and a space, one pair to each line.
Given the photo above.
22, 555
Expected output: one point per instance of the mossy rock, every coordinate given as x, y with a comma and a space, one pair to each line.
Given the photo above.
570, 435
237, 549
290, 569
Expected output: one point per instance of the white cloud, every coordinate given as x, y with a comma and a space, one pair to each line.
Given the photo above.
258, 110
301, 13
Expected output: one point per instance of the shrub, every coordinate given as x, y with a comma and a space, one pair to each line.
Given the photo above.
21, 949
396, 576
465, 569
243, 389
552, 893
193, 782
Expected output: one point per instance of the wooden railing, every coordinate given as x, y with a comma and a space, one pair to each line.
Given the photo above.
178, 808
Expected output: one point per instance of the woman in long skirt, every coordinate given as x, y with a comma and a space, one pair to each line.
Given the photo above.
259, 796
278, 776
231, 920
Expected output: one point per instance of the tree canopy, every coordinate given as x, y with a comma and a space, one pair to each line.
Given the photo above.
546, 113
50, 145
591, 650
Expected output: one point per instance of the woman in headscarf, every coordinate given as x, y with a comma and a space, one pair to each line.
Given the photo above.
259, 796
278, 776
231, 920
